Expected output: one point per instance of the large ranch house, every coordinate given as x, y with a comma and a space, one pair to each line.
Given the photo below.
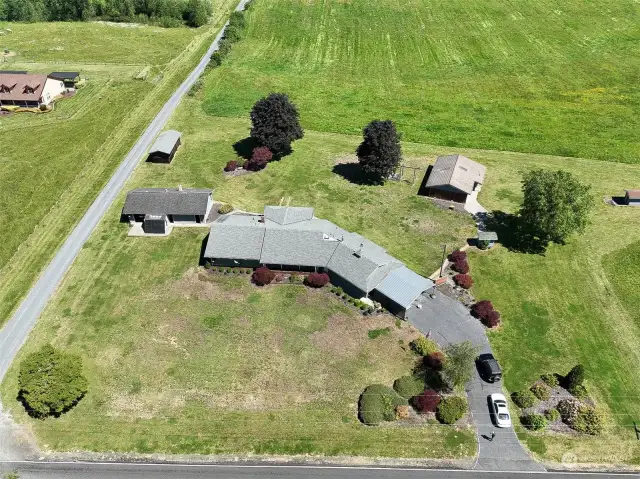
293, 239
29, 90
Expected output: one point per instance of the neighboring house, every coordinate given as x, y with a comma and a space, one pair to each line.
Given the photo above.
164, 148
632, 198
159, 209
68, 78
292, 238
453, 178
28, 90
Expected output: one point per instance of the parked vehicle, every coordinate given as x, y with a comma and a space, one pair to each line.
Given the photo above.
500, 410
488, 368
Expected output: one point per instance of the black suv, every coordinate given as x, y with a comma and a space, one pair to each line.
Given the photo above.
488, 368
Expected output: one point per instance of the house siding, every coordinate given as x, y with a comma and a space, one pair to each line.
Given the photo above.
346, 286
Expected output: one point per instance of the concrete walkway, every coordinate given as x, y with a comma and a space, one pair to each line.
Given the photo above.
472, 205
16, 330
447, 321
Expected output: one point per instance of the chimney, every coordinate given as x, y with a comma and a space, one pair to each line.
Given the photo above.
179, 187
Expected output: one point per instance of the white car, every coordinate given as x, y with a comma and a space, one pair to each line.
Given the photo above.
500, 410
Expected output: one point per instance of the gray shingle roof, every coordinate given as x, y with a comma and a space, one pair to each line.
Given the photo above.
487, 236
235, 237
168, 201
295, 246
286, 215
457, 171
403, 286
165, 142
64, 75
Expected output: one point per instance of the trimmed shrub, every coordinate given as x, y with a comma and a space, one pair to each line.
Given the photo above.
485, 312
568, 409
296, 278
402, 412
552, 414
225, 209
579, 391
575, 377
378, 403
317, 280
541, 391
524, 399
424, 346
451, 409
460, 364
461, 266
263, 276
550, 380
408, 386
259, 159
463, 280
588, 421
427, 401
51, 382
458, 255
534, 422
435, 360
231, 165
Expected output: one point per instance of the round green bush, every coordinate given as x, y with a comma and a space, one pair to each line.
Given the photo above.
541, 391
408, 386
424, 346
575, 377
588, 421
225, 209
552, 414
524, 399
451, 409
579, 391
550, 380
378, 403
534, 422
51, 382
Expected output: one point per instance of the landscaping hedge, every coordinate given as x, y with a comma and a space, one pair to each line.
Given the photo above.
461, 266
378, 403
427, 401
524, 399
263, 276
451, 409
541, 391
231, 165
588, 421
534, 422
552, 414
424, 346
317, 280
435, 360
458, 255
550, 380
568, 409
225, 209
408, 386
463, 280
485, 312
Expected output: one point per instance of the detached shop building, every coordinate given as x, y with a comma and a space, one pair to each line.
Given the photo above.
164, 148
293, 239
453, 178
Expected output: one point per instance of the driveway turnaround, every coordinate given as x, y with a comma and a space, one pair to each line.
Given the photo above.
447, 321
16, 330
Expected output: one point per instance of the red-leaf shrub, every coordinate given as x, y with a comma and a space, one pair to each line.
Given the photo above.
231, 166
255, 165
461, 266
458, 255
263, 276
484, 311
317, 280
434, 360
262, 153
427, 401
463, 280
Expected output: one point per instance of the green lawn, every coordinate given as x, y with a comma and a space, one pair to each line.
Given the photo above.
537, 77
72, 151
576, 304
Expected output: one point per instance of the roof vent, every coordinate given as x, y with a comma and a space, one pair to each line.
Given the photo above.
358, 253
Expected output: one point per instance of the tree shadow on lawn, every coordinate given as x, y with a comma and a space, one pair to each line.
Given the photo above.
512, 232
352, 172
244, 149
35, 415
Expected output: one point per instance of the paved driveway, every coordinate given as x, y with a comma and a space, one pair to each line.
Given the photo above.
448, 322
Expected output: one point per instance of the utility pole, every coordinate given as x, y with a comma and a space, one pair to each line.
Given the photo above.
444, 255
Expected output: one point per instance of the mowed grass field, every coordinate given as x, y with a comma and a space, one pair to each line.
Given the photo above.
539, 77
576, 304
52, 165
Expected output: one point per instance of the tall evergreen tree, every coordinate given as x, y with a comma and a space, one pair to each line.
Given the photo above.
380, 151
275, 123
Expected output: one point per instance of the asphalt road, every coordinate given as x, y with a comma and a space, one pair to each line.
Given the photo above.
170, 471
16, 330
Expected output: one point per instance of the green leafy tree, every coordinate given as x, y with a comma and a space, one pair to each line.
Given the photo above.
458, 368
198, 12
379, 153
51, 382
555, 205
275, 123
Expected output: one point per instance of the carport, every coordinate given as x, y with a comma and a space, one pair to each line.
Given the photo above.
399, 289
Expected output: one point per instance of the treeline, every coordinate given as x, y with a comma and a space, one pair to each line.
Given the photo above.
168, 13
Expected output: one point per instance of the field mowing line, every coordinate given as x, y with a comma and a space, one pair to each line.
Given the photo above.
35, 252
